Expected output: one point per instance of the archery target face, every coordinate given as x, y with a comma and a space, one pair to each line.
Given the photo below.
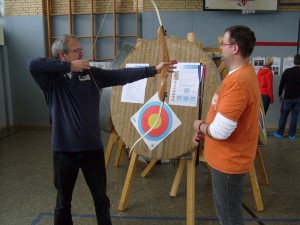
145, 118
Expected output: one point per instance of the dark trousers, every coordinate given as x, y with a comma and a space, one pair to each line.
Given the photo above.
266, 102
228, 197
66, 168
286, 106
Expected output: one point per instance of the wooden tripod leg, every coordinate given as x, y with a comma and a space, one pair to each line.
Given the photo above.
128, 181
190, 196
112, 139
118, 153
148, 168
255, 189
262, 167
177, 179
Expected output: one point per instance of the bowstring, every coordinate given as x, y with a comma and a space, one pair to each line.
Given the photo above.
100, 27
100, 91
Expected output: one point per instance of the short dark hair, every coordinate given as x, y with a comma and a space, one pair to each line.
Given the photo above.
60, 44
243, 37
297, 59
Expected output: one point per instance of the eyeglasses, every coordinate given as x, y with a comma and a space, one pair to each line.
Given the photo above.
224, 44
77, 50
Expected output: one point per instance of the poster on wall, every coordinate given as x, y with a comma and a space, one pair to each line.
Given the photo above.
258, 62
288, 62
276, 66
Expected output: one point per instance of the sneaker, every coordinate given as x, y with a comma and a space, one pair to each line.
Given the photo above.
292, 137
275, 134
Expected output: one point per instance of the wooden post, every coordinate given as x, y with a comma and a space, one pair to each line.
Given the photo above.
191, 37
119, 152
200, 44
92, 30
262, 167
148, 168
70, 18
128, 181
112, 139
177, 179
255, 189
190, 195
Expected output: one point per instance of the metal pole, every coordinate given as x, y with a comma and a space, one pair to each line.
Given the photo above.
49, 27
298, 43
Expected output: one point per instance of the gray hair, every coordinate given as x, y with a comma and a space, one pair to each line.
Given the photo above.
60, 44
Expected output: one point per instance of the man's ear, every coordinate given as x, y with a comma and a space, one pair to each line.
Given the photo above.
61, 55
236, 49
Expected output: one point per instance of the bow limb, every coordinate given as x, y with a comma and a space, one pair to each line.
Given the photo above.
161, 34
165, 58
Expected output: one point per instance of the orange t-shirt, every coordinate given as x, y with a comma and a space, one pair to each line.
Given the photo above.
238, 99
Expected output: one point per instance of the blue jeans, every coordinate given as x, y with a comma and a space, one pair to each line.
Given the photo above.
228, 197
66, 168
266, 102
287, 106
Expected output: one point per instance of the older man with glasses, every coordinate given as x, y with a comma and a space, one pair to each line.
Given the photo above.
71, 88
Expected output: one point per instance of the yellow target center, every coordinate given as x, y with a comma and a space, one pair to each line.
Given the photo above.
152, 119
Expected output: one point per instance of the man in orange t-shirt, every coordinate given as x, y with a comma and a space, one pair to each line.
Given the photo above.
232, 125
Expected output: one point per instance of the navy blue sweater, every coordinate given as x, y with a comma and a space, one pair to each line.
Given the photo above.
74, 103
290, 83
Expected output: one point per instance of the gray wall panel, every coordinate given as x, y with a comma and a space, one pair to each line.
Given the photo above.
25, 38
